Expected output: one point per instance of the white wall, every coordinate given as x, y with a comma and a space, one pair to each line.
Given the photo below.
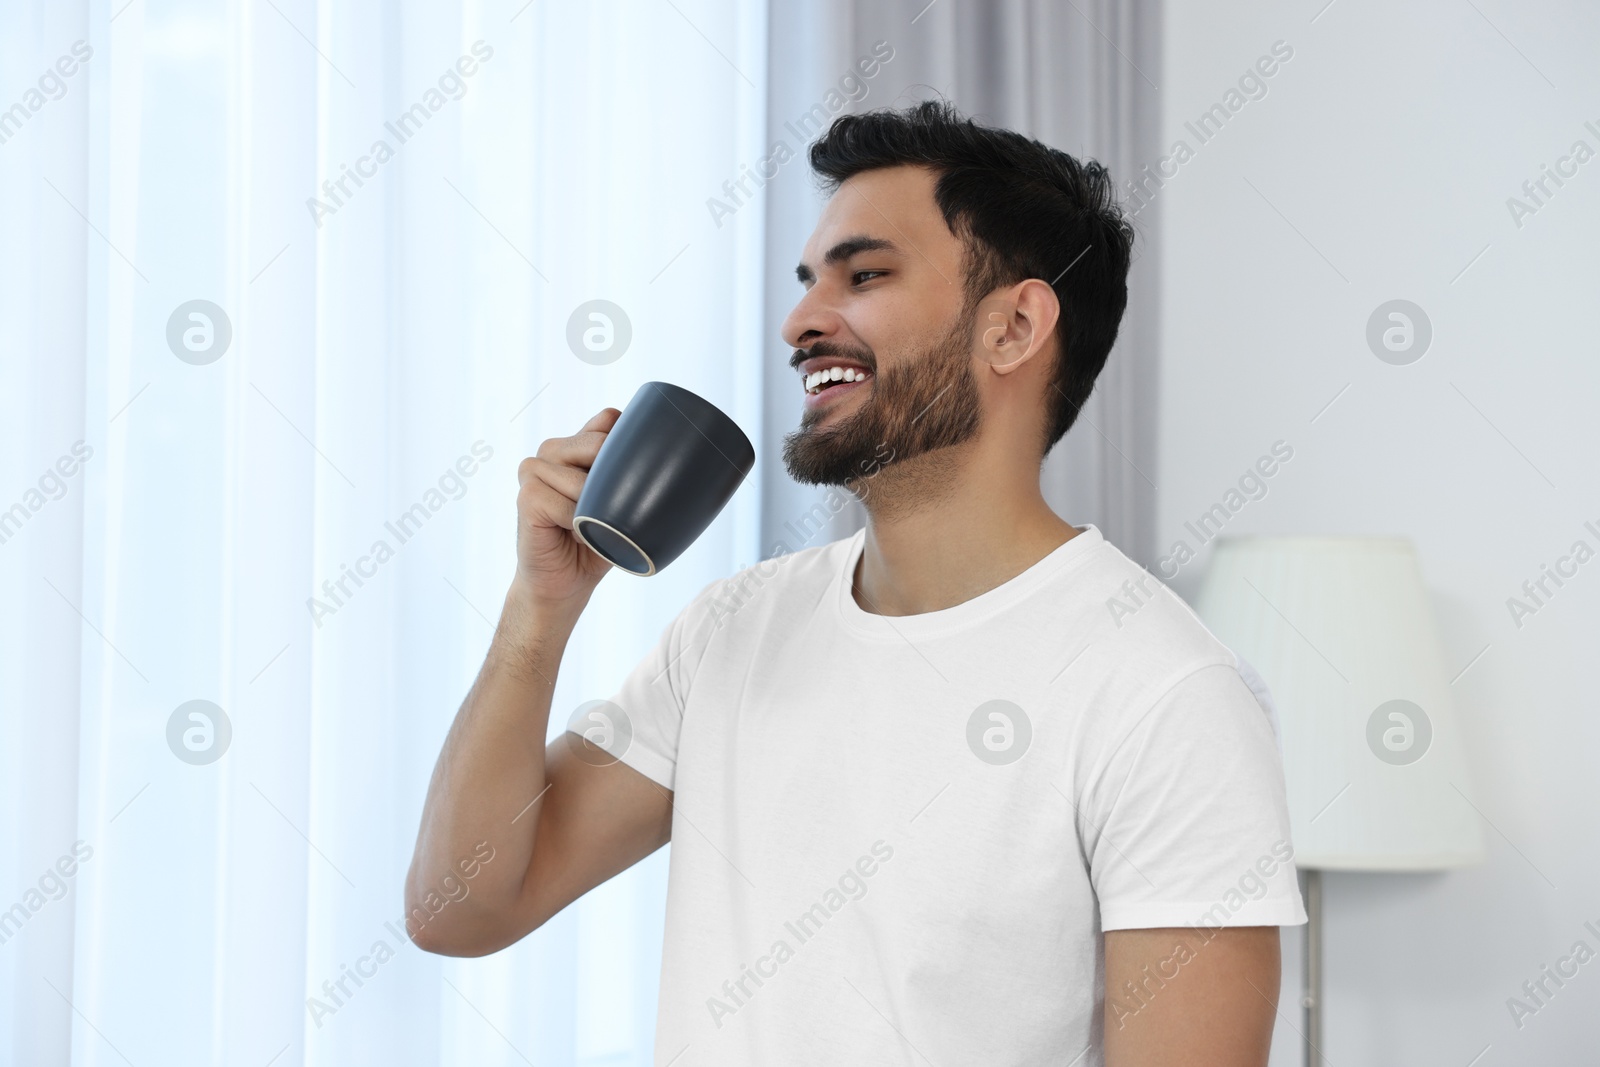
1377, 167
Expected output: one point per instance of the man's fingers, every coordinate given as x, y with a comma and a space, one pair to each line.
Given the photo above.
568, 481
540, 504
604, 419
578, 450
560, 510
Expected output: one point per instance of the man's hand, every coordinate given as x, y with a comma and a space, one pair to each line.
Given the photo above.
552, 563
1199, 998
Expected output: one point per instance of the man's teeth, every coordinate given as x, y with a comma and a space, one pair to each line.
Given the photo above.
815, 379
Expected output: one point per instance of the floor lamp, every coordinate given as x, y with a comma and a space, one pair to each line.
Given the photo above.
1341, 630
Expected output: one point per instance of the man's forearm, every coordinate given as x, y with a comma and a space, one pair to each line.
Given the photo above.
484, 787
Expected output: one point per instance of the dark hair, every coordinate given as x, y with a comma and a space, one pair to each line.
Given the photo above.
1023, 210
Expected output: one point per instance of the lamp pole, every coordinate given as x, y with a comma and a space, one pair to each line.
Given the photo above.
1311, 981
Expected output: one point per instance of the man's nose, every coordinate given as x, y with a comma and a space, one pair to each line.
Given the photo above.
809, 322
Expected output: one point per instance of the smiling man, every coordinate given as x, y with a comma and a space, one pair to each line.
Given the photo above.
968, 786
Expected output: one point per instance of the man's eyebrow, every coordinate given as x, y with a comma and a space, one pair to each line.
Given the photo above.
846, 248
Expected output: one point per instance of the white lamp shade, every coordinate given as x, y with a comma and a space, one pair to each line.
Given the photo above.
1341, 630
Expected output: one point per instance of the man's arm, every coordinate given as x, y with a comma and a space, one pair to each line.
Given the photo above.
1174, 997
551, 825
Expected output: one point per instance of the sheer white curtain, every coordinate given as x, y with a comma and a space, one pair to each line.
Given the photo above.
295, 501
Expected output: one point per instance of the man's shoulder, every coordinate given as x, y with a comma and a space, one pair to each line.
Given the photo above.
785, 580
1144, 633
1143, 648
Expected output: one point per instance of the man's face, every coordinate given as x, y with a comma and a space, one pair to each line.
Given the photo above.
885, 304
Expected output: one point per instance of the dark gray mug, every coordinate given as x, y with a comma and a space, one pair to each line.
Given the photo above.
666, 469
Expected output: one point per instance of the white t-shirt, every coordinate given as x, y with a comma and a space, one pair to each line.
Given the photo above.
898, 839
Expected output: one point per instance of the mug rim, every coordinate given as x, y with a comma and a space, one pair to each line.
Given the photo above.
579, 519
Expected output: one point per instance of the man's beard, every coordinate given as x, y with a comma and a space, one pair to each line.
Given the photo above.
914, 407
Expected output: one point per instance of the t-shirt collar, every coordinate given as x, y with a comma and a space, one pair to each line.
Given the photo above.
962, 615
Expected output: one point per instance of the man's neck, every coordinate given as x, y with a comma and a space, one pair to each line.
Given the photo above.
940, 532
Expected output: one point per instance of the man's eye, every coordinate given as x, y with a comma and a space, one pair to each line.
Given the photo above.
861, 276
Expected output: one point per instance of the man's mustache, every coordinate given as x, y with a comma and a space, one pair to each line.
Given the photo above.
862, 356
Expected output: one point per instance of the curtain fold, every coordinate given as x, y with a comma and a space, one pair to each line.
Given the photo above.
302, 276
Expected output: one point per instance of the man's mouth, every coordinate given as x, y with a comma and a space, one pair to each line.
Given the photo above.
826, 383
825, 378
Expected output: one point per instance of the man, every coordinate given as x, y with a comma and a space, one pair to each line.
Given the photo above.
968, 787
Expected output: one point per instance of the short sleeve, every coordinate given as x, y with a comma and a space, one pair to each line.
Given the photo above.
1187, 822
641, 727
1258, 686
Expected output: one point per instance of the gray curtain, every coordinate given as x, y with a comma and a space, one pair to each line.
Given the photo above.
1077, 74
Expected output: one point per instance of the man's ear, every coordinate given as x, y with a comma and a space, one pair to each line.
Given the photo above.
1017, 324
